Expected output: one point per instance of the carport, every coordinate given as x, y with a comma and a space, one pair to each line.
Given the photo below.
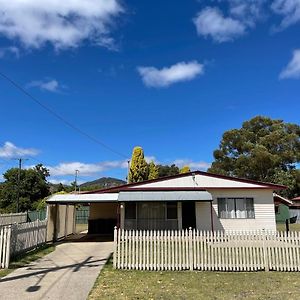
104, 213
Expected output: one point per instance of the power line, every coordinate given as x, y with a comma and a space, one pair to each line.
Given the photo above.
59, 117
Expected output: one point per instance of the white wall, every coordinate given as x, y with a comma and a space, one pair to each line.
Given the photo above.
103, 211
203, 216
199, 181
263, 209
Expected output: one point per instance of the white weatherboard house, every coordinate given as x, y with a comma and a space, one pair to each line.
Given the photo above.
197, 199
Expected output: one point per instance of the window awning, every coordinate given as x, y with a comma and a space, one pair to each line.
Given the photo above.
164, 196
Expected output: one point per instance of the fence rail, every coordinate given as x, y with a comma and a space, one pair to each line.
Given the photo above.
205, 250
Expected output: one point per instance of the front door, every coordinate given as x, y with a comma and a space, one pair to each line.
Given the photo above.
188, 214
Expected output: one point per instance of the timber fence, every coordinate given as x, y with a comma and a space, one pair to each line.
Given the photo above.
206, 250
29, 216
19, 238
7, 219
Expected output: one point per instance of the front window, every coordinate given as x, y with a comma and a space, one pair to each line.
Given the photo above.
236, 208
151, 215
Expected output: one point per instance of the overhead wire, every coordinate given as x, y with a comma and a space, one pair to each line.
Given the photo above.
60, 118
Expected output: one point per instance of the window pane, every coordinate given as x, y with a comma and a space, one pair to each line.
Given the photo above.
250, 208
171, 210
230, 208
130, 210
222, 208
240, 205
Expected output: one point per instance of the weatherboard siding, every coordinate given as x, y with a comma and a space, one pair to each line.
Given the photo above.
263, 209
198, 182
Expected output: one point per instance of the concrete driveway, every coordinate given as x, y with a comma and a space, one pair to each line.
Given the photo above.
67, 273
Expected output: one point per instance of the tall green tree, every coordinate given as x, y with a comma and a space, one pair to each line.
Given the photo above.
165, 170
263, 149
153, 171
185, 169
33, 187
139, 169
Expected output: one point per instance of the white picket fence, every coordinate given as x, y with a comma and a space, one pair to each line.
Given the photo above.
205, 250
8, 219
18, 238
5, 233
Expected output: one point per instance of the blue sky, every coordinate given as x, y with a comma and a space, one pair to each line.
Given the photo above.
170, 77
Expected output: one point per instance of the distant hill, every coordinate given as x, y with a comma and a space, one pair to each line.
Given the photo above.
101, 183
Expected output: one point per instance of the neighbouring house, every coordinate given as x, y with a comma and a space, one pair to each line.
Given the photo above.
197, 199
295, 209
282, 208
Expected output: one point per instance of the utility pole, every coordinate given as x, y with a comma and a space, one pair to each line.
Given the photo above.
19, 181
76, 175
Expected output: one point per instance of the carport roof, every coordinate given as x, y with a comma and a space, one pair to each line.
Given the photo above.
82, 198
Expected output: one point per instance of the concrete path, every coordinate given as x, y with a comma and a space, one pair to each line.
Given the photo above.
67, 273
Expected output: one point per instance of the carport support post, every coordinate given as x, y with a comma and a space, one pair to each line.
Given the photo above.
66, 220
55, 223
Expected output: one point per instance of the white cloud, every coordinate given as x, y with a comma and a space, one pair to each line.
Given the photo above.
6, 51
248, 12
9, 150
85, 169
194, 165
62, 181
63, 24
211, 22
289, 10
50, 85
182, 71
292, 70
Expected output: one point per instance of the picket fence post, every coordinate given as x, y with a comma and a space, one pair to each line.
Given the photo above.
191, 249
115, 248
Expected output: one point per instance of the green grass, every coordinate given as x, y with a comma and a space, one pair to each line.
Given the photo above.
22, 260
293, 227
123, 284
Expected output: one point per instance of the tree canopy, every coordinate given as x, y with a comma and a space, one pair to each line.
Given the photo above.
263, 149
139, 169
33, 187
165, 170
153, 171
185, 169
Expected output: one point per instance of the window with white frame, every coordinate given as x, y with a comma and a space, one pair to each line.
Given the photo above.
236, 208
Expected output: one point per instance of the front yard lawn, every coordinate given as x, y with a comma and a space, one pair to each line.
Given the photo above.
293, 227
123, 284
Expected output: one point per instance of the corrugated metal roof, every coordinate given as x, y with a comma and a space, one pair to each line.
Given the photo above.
165, 196
83, 198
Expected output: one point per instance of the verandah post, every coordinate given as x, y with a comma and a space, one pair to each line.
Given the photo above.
115, 247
